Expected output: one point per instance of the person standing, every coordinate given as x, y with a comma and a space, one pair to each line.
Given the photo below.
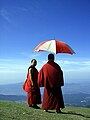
31, 86
50, 77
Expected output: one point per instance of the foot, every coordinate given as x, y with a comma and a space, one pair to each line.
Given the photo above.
30, 105
58, 111
36, 107
45, 110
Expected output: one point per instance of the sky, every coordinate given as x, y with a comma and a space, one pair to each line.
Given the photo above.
26, 23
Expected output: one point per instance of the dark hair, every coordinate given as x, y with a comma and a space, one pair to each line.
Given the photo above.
33, 60
51, 56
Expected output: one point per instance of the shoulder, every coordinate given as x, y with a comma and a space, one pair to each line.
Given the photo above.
45, 65
57, 65
42, 68
30, 69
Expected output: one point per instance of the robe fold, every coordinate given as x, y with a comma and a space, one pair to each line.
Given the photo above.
33, 92
51, 78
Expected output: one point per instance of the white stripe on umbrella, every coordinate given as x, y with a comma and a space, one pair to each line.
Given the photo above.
47, 46
54, 46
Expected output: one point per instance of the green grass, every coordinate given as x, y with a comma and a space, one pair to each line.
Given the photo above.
17, 111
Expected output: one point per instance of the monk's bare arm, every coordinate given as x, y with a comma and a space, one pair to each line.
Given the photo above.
30, 73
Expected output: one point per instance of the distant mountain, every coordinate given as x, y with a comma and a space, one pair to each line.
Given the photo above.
75, 94
14, 98
83, 87
68, 88
78, 100
12, 89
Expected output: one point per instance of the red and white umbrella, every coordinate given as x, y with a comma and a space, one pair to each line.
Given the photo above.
54, 46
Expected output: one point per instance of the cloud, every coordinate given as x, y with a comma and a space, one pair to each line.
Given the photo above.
13, 70
21, 65
17, 65
5, 15
17, 68
13, 65
23, 9
30, 55
13, 12
8, 13
74, 65
74, 62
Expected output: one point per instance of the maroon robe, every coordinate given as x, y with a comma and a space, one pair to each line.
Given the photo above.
51, 78
33, 92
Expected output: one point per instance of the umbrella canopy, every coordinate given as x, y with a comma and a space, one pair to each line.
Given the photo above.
54, 46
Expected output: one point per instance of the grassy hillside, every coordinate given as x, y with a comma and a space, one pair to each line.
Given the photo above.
18, 111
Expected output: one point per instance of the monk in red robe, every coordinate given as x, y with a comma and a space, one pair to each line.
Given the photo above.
51, 78
31, 86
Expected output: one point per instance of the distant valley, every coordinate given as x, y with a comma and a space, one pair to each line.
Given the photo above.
75, 94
